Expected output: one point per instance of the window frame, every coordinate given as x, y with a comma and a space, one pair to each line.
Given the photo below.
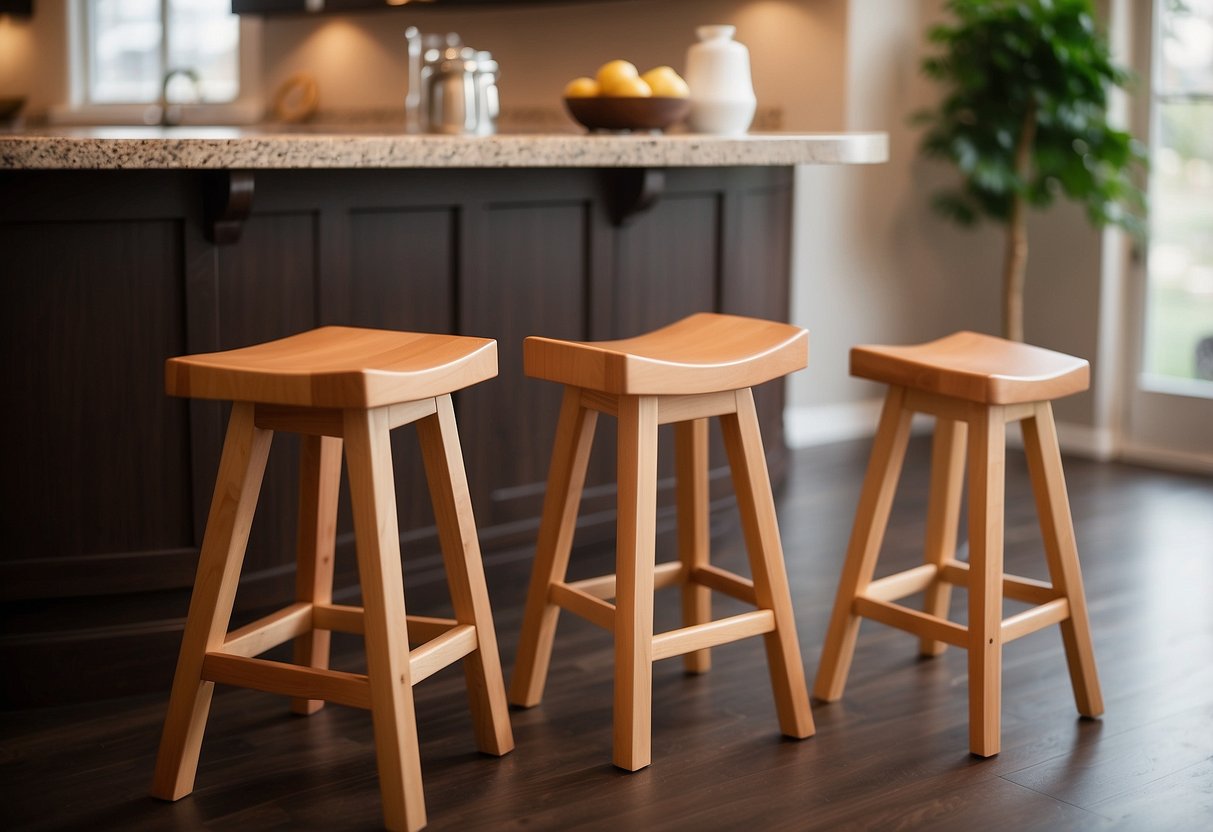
247, 108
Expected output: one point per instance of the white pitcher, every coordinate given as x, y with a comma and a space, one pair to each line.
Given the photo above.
722, 91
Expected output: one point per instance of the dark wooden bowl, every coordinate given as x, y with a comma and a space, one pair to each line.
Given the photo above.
606, 113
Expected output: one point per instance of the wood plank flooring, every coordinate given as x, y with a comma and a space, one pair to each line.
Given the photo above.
891, 755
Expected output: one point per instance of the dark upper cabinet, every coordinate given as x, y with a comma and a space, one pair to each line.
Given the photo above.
20, 8
274, 7
108, 273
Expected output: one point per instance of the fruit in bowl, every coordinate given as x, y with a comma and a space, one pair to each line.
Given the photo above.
618, 97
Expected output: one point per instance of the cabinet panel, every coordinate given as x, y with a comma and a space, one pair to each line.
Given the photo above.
266, 289
527, 277
88, 311
666, 264
107, 274
98, 456
401, 276
758, 241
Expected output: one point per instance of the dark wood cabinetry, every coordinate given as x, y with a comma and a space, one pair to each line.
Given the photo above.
105, 274
277, 7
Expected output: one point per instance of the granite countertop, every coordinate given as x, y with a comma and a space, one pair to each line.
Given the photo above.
267, 148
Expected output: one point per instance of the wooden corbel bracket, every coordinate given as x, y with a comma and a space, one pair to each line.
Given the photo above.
227, 200
632, 191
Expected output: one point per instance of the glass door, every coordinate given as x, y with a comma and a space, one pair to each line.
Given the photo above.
1170, 400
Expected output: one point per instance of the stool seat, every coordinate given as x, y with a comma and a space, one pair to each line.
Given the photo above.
343, 391
974, 385
338, 367
704, 353
976, 368
697, 369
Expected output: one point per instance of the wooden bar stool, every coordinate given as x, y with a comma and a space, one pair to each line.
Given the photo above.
974, 385
335, 385
699, 367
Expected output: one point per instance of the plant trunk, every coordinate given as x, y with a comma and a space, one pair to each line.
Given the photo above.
1015, 261
1015, 266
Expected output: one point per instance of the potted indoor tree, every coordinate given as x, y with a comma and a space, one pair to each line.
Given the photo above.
1024, 119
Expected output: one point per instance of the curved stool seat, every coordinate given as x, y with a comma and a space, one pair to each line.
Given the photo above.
976, 368
344, 390
337, 366
973, 385
704, 353
699, 368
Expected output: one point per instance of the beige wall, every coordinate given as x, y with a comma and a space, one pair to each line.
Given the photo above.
874, 264
871, 263
33, 56
359, 60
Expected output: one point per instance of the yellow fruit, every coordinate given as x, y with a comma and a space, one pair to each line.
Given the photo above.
666, 83
581, 88
658, 72
614, 73
630, 88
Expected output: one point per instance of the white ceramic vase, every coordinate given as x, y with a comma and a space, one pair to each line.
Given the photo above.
722, 91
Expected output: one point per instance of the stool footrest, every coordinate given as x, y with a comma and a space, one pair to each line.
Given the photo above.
932, 627
912, 621
1029, 621
894, 587
266, 633
712, 634
343, 688
341, 618
726, 583
288, 679
955, 572
1027, 590
579, 602
441, 652
664, 574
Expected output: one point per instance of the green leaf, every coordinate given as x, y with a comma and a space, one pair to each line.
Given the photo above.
1000, 60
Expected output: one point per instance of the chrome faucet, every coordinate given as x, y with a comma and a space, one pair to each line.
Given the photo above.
169, 116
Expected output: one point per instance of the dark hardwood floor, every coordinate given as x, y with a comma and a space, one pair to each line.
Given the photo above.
891, 755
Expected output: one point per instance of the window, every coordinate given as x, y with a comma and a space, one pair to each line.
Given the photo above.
130, 45
1178, 351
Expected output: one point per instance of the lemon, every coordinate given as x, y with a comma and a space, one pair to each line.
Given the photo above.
615, 73
630, 88
581, 88
666, 83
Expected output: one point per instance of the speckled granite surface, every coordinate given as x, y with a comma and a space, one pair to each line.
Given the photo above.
263, 149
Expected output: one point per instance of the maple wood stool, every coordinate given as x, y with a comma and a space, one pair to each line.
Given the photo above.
699, 367
339, 385
973, 385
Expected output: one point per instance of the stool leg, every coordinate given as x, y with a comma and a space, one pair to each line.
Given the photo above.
635, 553
943, 517
377, 538
319, 485
443, 457
1057, 528
566, 476
694, 538
227, 527
756, 505
871, 518
987, 475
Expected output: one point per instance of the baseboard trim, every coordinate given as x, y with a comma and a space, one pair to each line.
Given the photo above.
1190, 462
825, 424
1077, 440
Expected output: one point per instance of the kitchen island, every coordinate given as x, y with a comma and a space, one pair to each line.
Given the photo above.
122, 247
